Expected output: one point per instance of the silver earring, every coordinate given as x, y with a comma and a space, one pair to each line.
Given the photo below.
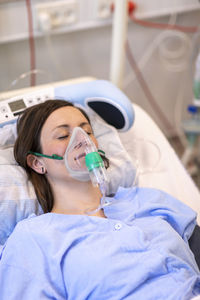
42, 170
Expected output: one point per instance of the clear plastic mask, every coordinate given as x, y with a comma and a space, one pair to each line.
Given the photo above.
81, 151
84, 163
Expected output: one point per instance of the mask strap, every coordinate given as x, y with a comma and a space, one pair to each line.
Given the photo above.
53, 156
101, 152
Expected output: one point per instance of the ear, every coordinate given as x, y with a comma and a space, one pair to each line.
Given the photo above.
35, 163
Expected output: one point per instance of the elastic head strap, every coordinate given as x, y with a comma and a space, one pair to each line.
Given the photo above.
101, 152
53, 156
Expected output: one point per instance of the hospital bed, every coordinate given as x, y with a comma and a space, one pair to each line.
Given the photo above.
140, 153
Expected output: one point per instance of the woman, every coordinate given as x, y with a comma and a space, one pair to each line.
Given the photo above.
135, 248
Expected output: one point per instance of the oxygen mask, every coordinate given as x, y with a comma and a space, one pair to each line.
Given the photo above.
82, 159
84, 163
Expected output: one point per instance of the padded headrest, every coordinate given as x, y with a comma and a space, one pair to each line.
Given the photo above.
109, 102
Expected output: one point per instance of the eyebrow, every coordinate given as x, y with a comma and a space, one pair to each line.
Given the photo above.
67, 126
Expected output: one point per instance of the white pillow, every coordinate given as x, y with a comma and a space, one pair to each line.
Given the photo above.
17, 195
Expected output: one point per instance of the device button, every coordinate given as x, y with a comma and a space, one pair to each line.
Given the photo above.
3, 109
30, 101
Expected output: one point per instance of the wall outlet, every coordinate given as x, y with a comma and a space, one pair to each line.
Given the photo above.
52, 15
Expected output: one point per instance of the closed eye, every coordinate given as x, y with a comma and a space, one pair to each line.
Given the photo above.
63, 137
88, 131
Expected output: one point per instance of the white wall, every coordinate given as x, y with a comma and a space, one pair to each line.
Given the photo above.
87, 53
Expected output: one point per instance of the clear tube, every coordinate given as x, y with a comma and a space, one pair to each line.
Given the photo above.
148, 53
103, 202
99, 179
25, 75
169, 58
137, 150
175, 60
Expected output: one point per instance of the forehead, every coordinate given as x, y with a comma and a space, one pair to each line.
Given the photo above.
68, 115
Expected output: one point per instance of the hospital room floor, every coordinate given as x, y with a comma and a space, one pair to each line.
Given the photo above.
176, 144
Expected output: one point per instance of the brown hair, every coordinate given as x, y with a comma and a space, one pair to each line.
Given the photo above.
29, 126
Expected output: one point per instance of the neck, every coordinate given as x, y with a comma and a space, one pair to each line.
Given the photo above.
77, 198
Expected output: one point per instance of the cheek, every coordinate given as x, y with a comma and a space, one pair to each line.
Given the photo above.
54, 148
60, 150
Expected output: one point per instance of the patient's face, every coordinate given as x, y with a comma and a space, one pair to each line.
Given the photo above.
55, 137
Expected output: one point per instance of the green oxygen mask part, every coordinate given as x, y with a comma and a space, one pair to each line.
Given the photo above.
95, 166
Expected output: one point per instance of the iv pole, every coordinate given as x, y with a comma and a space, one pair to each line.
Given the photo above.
119, 33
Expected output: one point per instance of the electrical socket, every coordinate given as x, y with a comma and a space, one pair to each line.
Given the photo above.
104, 9
52, 15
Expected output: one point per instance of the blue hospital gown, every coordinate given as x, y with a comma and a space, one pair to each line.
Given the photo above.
140, 251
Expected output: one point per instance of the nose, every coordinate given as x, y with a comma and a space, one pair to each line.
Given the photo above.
80, 144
